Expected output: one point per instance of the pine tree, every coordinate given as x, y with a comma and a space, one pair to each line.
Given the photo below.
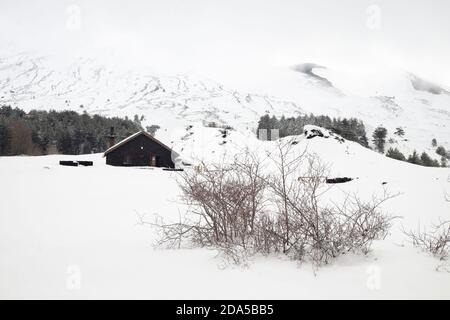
395, 154
137, 120
399, 132
20, 142
379, 138
436, 163
414, 158
5, 139
434, 143
65, 144
426, 160
441, 151
152, 129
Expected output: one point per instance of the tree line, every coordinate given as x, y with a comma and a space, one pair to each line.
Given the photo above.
354, 130
68, 132
351, 129
415, 158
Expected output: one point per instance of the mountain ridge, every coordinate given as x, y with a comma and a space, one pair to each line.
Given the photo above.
30, 81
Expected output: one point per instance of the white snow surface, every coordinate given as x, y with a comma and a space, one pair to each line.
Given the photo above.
73, 232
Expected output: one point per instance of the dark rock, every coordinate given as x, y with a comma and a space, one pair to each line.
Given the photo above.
68, 163
338, 180
86, 163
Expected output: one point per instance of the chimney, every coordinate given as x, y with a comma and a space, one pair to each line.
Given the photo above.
111, 139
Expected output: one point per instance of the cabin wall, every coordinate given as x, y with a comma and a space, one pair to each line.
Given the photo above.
138, 152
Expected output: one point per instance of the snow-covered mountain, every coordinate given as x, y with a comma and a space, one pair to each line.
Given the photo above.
392, 98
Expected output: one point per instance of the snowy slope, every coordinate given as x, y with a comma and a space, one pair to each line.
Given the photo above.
73, 232
168, 100
389, 97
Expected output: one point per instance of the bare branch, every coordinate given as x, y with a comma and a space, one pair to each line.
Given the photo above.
435, 240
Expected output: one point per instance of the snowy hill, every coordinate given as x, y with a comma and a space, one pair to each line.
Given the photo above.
199, 144
391, 98
78, 236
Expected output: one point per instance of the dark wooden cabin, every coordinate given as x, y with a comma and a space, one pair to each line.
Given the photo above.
140, 149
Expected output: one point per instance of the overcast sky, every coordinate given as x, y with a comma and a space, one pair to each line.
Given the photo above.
233, 34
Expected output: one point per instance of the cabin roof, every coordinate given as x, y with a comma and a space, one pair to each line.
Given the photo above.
133, 136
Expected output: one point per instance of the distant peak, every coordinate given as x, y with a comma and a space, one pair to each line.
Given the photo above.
308, 70
307, 67
420, 84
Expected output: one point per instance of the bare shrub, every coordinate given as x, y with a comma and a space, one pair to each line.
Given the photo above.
244, 208
435, 241
226, 199
311, 227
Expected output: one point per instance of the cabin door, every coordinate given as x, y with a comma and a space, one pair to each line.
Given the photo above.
154, 160
141, 159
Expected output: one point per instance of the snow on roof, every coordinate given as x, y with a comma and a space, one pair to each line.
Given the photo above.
135, 135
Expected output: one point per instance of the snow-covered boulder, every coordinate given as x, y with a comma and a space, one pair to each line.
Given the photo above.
312, 131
